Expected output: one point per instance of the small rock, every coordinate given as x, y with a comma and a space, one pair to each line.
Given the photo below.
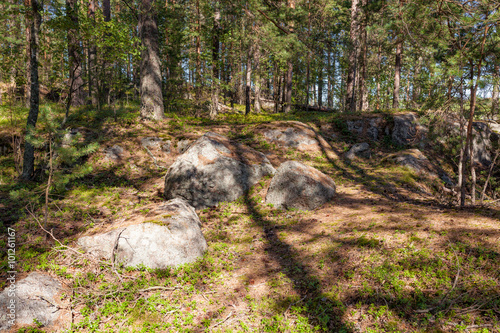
297, 185
114, 153
36, 297
69, 137
166, 147
359, 149
183, 145
151, 142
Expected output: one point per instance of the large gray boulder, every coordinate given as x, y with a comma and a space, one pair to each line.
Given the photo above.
407, 130
169, 236
299, 186
36, 297
215, 169
485, 140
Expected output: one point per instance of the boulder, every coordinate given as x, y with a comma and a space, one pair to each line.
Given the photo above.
169, 236
359, 149
407, 130
415, 160
482, 143
296, 135
215, 169
36, 297
299, 186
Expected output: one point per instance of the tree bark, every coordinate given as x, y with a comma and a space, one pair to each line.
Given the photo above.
308, 76
330, 73
320, 83
494, 95
397, 76
353, 57
151, 78
288, 85
289, 74
214, 105
257, 80
76, 93
104, 86
416, 82
363, 96
248, 81
198, 51
33, 22
91, 60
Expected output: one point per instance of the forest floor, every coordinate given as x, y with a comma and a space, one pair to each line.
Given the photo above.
388, 254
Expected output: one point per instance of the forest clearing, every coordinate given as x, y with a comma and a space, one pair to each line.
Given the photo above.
249, 166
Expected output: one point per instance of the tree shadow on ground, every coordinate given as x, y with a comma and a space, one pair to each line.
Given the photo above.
358, 175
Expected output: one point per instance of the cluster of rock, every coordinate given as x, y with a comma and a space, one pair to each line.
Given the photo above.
216, 169
405, 130
213, 169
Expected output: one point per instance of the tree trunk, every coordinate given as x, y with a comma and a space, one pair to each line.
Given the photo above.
470, 149
257, 80
353, 57
330, 73
151, 78
363, 96
75, 93
104, 89
214, 105
416, 82
276, 88
288, 91
494, 95
198, 51
308, 76
397, 76
91, 61
320, 83
379, 68
248, 81
33, 22
461, 162
289, 74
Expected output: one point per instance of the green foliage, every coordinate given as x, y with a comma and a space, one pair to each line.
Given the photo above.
62, 155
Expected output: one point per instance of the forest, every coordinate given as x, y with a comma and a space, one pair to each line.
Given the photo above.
249, 166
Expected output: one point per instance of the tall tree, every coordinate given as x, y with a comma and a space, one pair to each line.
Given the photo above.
214, 105
397, 74
76, 94
289, 73
353, 57
33, 22
151, 77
